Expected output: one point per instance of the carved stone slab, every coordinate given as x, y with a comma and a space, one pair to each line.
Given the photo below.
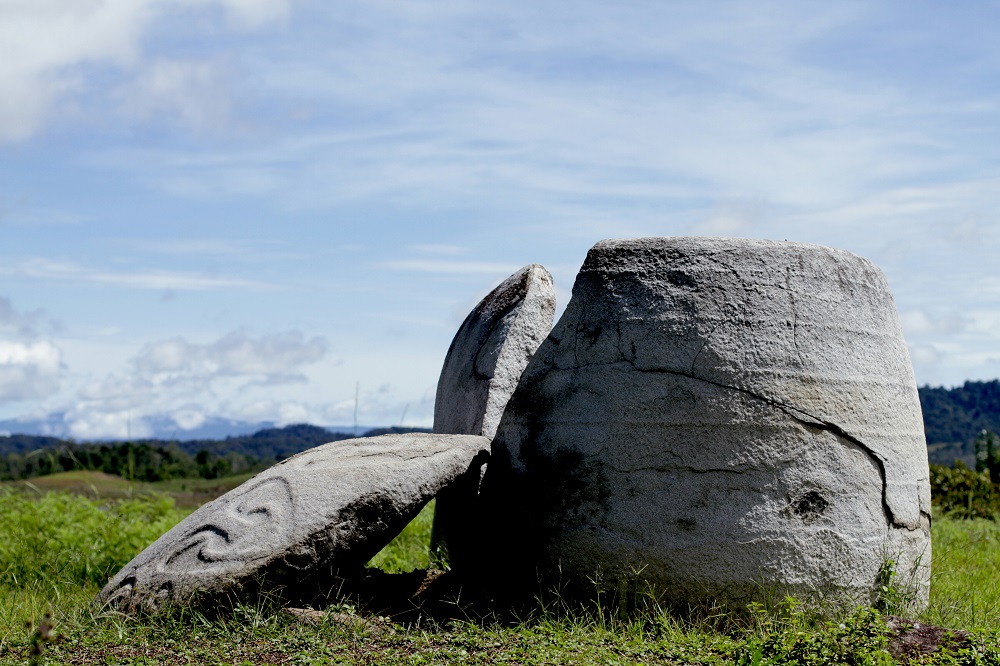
721, 418
327, 509
482, 368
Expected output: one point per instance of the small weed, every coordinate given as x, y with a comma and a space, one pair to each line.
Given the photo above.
890, 599
793, 636
39, 638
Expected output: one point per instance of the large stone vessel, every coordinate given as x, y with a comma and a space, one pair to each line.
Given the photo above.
716, 420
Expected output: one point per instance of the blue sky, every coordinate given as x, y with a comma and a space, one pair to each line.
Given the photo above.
255, 209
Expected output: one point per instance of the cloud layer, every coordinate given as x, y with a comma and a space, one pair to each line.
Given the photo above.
179, 173
176, 376
28, 370
50, 48
274, 358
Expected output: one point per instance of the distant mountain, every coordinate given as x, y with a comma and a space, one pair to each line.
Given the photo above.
953, 418
158, 428
25, 443
263, 445
164, 427
155, 427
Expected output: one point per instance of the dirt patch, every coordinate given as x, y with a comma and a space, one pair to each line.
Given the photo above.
911, 640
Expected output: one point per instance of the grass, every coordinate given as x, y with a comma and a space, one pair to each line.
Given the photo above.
91, 484
965, 588
186, 493
191, 493
63, 537
409, 550
260, 635
56, 549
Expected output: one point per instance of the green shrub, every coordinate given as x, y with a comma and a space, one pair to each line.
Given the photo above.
63, 538
987, 447
964, 493
793, 637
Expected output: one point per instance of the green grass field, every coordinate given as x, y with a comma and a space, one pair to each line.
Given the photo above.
188, 493
57, 548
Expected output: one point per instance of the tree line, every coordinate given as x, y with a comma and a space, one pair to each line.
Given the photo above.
136, 462
28, 456
955, 417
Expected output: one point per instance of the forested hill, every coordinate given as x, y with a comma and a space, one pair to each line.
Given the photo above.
954, 417
26, 456
267, 444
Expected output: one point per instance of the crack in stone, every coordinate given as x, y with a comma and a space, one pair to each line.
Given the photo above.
840, 432
797, 414
808, 420
403, 455
708, 337
795, 314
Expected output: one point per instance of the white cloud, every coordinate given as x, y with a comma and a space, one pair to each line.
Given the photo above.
42, 40
184, 379
189, 418
95, 424
148, 279
382, 405
234, 355
730, 219
26, 213
281, 413
229, 248
189, 383
461, 104
114, 393
28, 370
45, 44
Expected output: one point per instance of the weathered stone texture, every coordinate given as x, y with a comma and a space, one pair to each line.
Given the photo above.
728, 417
490, 351
327, 509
